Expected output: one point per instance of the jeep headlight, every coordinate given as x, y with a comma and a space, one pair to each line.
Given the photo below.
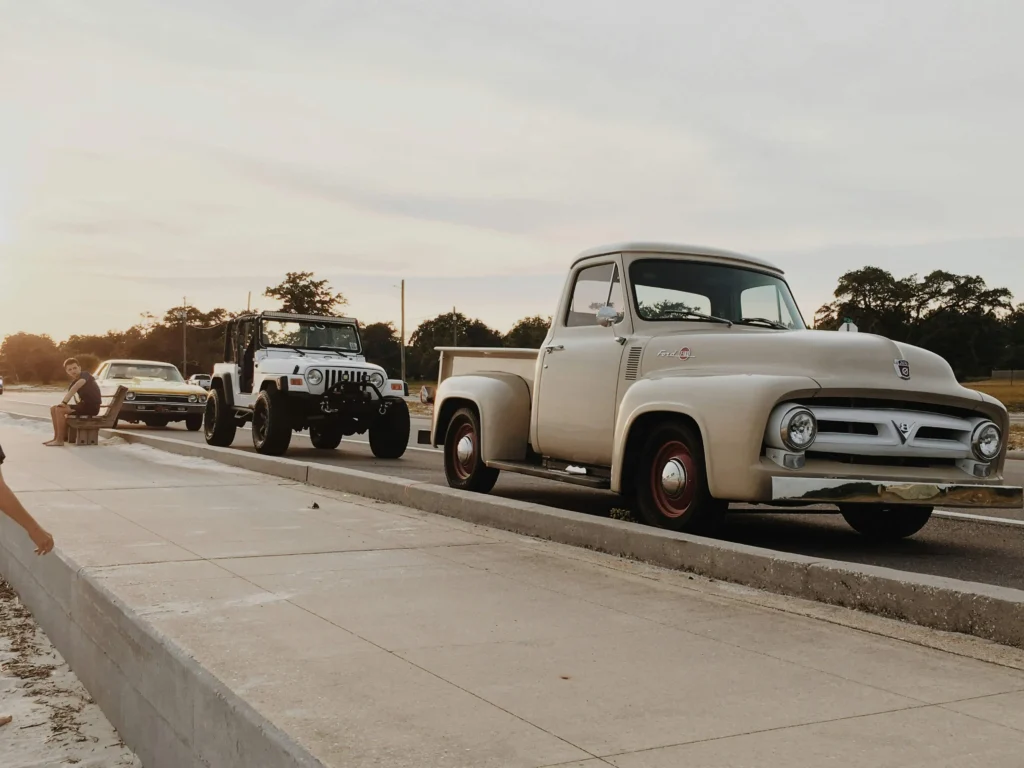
193, 398
798, 429
377, 379
130, 396
314, 377
986, 441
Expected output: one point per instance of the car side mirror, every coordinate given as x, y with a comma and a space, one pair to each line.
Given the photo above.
607, 316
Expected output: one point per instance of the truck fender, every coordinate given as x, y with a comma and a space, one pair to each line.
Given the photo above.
730, 411
225, 383
503, 402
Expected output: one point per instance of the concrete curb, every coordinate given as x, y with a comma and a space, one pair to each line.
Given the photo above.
1017, 455
982, 610
166, 707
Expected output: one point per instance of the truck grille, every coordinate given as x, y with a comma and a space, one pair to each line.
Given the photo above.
891, 435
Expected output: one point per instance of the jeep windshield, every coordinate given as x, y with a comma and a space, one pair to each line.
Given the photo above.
696, 291
309, 334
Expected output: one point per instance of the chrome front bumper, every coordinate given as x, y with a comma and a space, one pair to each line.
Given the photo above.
826, 490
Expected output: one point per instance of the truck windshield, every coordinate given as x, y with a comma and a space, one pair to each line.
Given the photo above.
308, 334
671, 289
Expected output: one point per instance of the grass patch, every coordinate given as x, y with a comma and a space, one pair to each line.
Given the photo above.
1016, 438
1010, 395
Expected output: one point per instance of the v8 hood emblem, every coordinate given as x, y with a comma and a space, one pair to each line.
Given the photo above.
903, 430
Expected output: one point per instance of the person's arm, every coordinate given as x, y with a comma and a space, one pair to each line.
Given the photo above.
73, 391
11, 507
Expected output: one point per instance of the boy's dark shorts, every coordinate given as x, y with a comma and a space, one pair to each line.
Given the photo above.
81, 409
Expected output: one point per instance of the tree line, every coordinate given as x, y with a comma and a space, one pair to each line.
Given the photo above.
193, 340
975, 327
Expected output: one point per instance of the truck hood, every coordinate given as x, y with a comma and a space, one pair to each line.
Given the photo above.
847, 364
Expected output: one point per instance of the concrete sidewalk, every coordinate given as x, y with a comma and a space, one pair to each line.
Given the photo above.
359, 633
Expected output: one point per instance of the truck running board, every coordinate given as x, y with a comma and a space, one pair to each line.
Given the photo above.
588, 481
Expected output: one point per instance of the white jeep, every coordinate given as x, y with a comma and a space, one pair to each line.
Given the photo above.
285, 373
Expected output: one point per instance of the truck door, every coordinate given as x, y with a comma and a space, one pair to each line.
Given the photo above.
579, 371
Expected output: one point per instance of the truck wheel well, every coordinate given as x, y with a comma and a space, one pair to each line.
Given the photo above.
635, 442
448, 409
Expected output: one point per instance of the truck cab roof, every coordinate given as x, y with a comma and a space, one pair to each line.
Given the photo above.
678, 249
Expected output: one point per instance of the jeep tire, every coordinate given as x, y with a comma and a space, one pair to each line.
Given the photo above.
325, 436
389, 432
271, 424
218, 421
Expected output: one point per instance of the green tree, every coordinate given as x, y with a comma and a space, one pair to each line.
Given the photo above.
447, 330
382, 346
301, 294
528, 333
32, 357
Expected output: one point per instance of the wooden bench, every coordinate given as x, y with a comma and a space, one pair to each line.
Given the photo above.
85, 430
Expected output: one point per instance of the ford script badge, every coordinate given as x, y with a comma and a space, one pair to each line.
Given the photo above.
902, 369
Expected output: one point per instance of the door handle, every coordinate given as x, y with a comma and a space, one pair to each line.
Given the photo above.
554, 347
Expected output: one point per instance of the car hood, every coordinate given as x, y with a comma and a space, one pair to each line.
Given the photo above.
847, 364
156, 386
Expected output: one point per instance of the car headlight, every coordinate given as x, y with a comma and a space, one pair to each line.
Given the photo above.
193, 398
377, 379
798, 430
986, 441
315, 377
130, 396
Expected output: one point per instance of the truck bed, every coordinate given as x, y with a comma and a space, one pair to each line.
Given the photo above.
459, 361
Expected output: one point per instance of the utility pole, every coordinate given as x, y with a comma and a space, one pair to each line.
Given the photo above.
184, 336
403, 330
248, 303
455, 328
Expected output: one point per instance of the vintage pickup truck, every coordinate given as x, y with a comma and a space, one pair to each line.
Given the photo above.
685, 378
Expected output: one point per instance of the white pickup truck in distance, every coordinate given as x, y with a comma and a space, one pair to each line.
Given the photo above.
684, 378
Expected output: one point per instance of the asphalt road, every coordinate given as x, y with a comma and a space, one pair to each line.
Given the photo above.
960, 547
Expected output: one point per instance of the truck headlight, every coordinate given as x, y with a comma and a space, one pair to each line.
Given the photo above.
377, 379
986, 441
315, 377
798, 430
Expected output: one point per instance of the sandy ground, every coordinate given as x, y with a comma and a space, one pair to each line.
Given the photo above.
55, 722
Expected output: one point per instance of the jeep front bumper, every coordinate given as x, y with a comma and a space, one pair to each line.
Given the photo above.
826, 490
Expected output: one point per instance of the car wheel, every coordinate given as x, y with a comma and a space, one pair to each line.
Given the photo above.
671, 481
194, 423
271, 426
464, 466
326, 437
158, 422
218, 422
885, 523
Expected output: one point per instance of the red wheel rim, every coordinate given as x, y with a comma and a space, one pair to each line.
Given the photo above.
463, 462
673, 479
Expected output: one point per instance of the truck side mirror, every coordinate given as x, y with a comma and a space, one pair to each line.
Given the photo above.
607, 316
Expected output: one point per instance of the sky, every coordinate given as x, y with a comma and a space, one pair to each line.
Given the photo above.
151, 151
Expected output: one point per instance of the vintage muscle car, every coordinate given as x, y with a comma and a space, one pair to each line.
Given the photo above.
157, 393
